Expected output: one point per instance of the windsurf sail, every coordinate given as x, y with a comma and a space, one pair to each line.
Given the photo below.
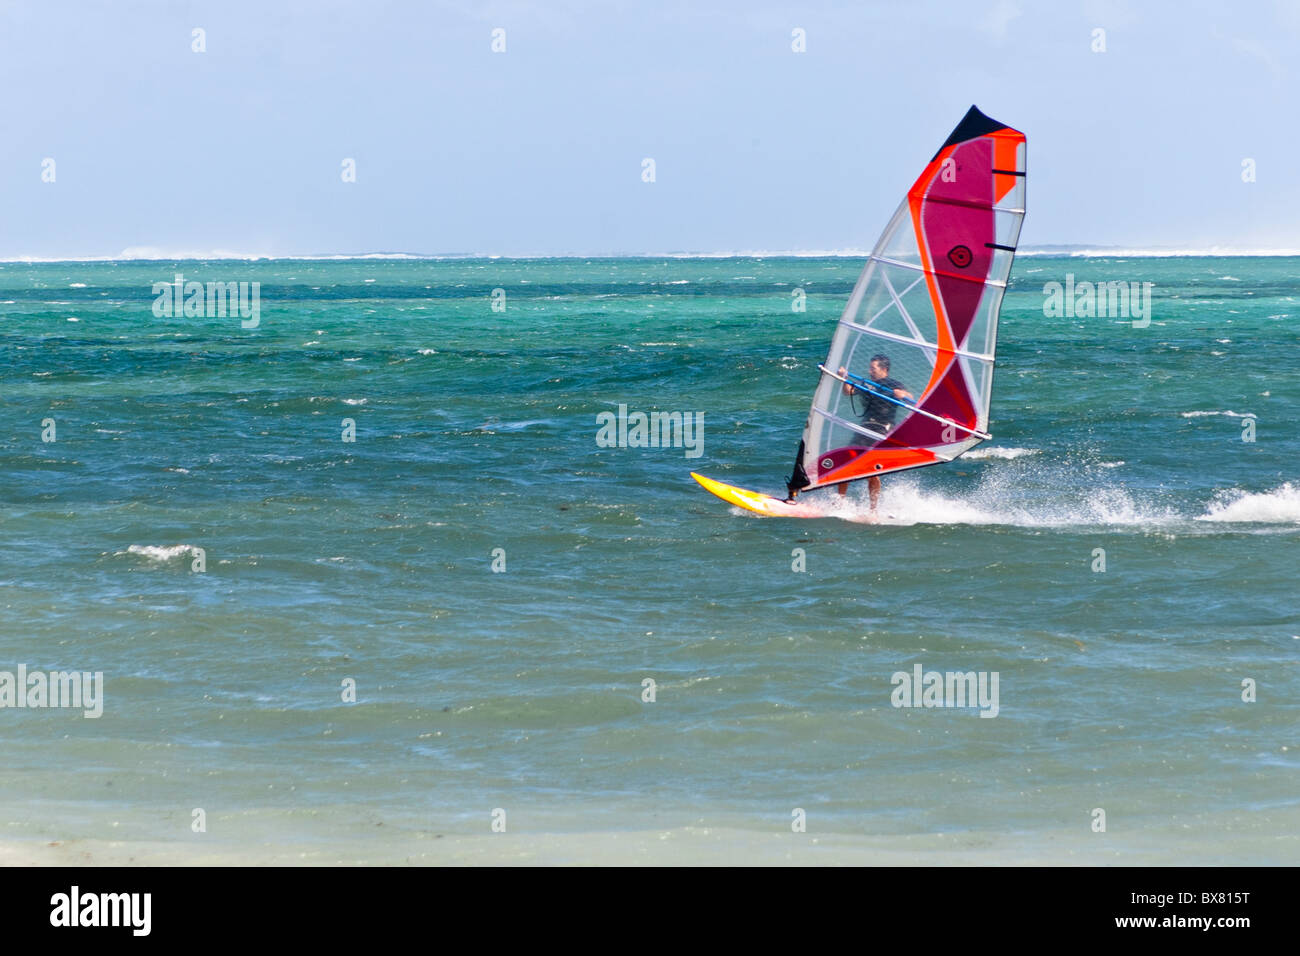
909, 375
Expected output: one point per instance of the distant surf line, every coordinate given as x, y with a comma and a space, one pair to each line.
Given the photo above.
150, 254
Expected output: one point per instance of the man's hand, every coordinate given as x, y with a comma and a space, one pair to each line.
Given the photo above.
848, 389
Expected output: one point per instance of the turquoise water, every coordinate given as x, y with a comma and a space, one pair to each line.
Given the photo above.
522, 689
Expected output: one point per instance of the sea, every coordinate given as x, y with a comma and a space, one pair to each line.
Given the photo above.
359, 572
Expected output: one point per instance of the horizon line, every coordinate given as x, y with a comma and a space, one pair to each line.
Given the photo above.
1047, 250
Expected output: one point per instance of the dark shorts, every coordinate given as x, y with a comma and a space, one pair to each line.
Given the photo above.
875, 426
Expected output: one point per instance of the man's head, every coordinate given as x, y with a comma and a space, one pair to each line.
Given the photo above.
879, 366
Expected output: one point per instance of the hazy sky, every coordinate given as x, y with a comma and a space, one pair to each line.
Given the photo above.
538, 150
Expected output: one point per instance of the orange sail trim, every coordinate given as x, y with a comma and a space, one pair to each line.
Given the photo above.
1005, 145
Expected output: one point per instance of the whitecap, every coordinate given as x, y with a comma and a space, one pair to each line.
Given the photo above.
1003, 453
158, 552
1279, 506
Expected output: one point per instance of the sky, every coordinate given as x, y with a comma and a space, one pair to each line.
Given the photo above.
540, 149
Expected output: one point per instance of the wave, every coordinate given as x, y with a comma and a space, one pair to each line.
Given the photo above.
1229, 414
1279, 506
158, 552
1003, 453
493, 427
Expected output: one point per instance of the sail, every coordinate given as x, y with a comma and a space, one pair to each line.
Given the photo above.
927, 302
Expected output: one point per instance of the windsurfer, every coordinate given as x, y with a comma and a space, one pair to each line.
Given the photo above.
878, 412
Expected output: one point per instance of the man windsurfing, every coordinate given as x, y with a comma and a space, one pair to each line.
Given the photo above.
952, 240
878, 411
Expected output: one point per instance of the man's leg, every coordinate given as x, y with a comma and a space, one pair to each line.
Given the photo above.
844, 488
873, 487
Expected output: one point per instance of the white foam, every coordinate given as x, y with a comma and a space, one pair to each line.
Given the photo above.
1230, 414
997, 501
1004, 453
157, 253
157, 552
1279, 506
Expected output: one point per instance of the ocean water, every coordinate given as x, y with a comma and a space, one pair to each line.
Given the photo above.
500, 587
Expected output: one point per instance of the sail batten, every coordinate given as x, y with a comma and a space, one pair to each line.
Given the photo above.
919, 333
949, 275
932, 346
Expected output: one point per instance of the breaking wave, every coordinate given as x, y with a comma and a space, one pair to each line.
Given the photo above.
1279, 506
162, 553
1008, 454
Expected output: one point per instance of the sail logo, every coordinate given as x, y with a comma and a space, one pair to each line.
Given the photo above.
210, 300
1102, 300
132, 910
72, 689
654, 430
922, 688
